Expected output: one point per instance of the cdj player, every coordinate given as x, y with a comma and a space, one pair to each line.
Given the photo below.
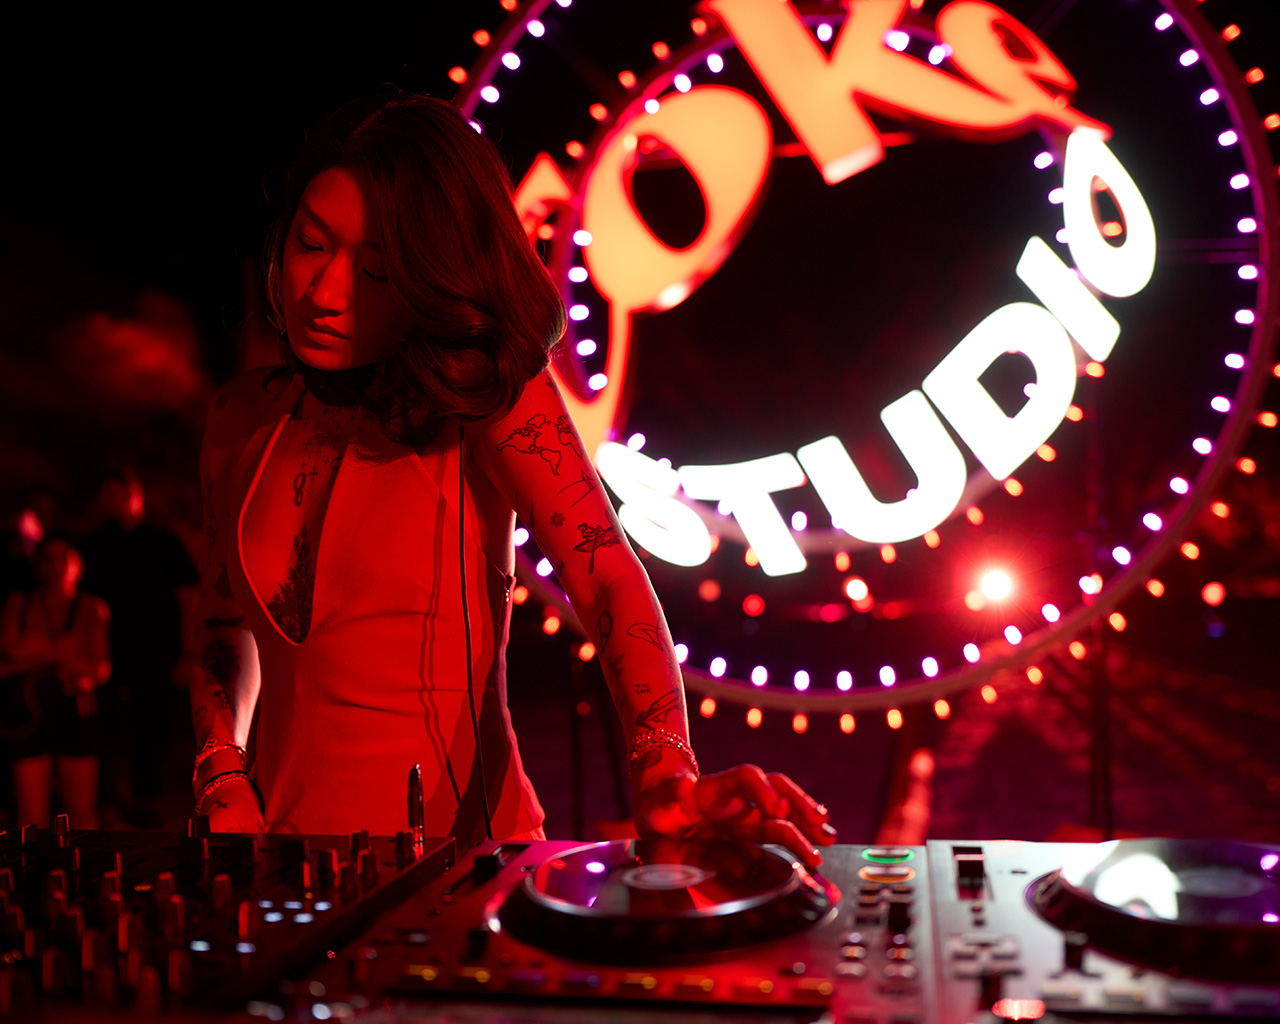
307, 928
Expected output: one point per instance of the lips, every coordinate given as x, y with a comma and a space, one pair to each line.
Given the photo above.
315, 328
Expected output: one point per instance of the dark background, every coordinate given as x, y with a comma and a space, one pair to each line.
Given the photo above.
139, 152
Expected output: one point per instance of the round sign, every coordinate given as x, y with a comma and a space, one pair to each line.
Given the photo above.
907, 335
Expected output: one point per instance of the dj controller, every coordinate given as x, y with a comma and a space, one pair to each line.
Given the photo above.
391, 928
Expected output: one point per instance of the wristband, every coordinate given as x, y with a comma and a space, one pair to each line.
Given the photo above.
653, 739
217, 782
211, 747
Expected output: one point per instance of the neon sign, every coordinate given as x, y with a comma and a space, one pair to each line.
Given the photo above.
986, 79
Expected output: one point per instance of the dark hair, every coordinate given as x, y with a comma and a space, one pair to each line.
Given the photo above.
482, 308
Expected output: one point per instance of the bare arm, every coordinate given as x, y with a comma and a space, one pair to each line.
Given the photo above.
535, 456
18, 652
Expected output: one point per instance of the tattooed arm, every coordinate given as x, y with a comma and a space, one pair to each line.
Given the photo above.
536, 458
225, 679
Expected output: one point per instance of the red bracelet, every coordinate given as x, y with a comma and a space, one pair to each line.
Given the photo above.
211, 747
654, 738
217, 782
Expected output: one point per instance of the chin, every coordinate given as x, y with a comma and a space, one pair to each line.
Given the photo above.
322, 358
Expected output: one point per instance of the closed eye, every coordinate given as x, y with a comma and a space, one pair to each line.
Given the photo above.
372, 276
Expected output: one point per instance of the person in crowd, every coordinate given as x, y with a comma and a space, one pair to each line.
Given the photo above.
144, 573
360, 506
54, 654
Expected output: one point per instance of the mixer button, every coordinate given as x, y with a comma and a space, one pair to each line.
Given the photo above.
696, 984
851, 970
1189, 996
638, 982
868, 900
887, 853
425, 972
754, 987
794, 969
852, 952
900, 953
582, 979
901, 972
815, 987
480, 976
1005, 948
1125, 995
1256, 999
528, 978
1060, 990
853, 938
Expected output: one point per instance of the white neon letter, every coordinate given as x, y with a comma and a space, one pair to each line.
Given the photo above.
648, 511
1002, 442
1065, 296
936, 461
745, 487
1117, 270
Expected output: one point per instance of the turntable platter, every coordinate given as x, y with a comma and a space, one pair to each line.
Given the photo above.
661, 900
1199, 908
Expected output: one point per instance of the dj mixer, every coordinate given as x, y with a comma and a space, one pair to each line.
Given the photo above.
387, 929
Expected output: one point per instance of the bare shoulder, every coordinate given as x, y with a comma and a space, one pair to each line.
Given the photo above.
245, 402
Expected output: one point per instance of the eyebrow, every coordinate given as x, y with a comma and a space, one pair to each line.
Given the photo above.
306, 209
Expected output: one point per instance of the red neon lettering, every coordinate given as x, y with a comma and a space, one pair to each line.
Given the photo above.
826, 99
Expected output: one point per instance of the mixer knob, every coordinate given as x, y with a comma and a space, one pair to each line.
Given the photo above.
6, 881
62, 829
198, 826
367, 865
175, 917
104, 984
359, 841
71, 924
165, 886
110, 884
246, 921
148, 998
30, 835
404, 846
324, 867
1073, 947
53, 970
220, 894
293, 851
179, 971
57, 882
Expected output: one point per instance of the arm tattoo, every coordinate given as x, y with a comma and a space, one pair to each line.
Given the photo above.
652, 634
584, 482
656, 713
604, 630
557, 519
217, 623
593, 538
221, 660
647, 760
528, 441
565, 429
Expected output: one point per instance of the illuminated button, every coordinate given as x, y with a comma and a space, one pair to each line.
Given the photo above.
582, 979
815, 986
868, 900
967, 969
869, 887
854, 952
1126, 994
524, 977
1005, 948
1188, 996
1255, 998
474, 975
886, 873
754, 987
643, 982
888, 854
853, 938
798, 968
902, 889
851, 970
424, 971
695, 983
903, 972
1060, 990
900, 953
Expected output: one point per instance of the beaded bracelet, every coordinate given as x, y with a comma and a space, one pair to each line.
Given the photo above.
652, 739
211, 746
217, 782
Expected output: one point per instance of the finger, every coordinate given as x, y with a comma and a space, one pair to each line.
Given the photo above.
786, 835
746, 781
810, 815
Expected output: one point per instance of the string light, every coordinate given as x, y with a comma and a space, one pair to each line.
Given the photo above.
1155, 588
1117, 622
1077, 650
1190, 550
1213, 594
989, 693
799, 722
754, 717
708, 707
586, 650
1035, 675
847, 723
893, 718
941, 708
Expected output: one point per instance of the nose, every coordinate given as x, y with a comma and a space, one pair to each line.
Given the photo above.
331, 287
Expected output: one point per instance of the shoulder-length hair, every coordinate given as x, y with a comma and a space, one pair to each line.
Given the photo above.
482, 309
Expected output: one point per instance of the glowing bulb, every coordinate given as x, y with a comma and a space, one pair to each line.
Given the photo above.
893, 718
799, 722
682, 83
582, 237
682, 653
1060, 236
520, 536
941, 708
1056, 195
715, 63
536, 28
651, 106
1152, 521
1247, 272
1246, 225
597, 382
1202, 445
1213, 594
939, 53
586, 347
1188, 57
996, 585
1013, 634
847, 723
971, 653
1043, 159
1155, 587
1050, 612
989, 693
844, 680
1239, 181
824, 32
1088, 585
799, 521
929, 666
577, 274
708, 707
636, 441
801, 680
511, 61
1034, 675
1209, 96
578, 311
759, 675
896, 39
1121, 554
1220, 403
543, 567
754, 718
1179, 485
718, 667
855, 588
887, 675
1234, 361
1228, 138
1077, 650
1163, 22
490, 94
1245, 316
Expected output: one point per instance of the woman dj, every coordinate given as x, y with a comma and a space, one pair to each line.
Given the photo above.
360, 503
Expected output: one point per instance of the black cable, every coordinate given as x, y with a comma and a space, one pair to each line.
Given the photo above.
466, 626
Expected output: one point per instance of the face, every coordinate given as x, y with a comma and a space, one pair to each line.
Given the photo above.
338, 309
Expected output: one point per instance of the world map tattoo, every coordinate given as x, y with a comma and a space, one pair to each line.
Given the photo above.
564, 428
655, 714
583, 481
528, 441
291, 607
594, 538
